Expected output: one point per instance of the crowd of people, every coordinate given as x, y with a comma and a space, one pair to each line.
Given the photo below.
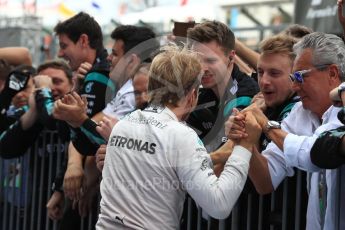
204, 117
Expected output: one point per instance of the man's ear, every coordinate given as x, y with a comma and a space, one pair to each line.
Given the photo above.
334, 74
231, 55
84, 40
133, 61
193, 96
134, 58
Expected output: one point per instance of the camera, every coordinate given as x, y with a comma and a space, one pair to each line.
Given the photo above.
18, 80
15, 82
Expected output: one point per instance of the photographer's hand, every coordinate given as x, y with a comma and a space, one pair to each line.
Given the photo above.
43, 81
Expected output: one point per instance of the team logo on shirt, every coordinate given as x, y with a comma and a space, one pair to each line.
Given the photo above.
88, 87
234, 88
119, 219
146, 121
154, 109
204, 164
133, 144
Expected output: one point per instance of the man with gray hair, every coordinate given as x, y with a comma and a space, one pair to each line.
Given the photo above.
318, 68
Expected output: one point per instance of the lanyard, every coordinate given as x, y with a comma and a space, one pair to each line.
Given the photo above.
322, 196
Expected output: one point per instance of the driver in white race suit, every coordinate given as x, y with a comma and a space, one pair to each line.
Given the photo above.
153, 159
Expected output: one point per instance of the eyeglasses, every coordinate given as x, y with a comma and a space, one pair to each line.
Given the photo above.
299, 75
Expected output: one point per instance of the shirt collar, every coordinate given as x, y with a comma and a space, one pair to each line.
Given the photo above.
162, 110
331, 113
126, 88
170, 113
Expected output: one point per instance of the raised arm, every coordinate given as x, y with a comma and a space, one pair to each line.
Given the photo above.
217, 196
248, 55
16, 55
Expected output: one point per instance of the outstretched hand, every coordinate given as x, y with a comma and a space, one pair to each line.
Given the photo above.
253, 129
258, 114
235, 126
259, 100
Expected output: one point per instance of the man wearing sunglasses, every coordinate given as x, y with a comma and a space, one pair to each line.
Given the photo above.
298, 75
318, 68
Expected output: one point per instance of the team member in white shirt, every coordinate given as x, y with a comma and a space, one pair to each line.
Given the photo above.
318, 68
153, 158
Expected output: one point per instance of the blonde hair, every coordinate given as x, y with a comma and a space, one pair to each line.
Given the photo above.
278, 44
173, 74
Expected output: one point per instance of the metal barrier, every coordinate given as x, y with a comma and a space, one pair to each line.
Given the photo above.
25, 186
25, 189
283, 209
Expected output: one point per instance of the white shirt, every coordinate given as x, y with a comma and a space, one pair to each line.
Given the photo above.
152, 160
304, 127
123, 103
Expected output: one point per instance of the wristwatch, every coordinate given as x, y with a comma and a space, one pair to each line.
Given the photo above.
272, 125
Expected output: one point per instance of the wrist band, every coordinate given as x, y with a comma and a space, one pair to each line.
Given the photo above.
90, 125
89, 129
44, 92
56, 188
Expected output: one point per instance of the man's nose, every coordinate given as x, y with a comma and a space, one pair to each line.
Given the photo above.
60, 53
296, 86
204, 66
264, 79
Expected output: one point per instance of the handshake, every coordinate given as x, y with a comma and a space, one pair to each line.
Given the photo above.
245, 127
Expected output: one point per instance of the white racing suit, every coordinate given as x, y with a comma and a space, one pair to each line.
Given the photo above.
152, 160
